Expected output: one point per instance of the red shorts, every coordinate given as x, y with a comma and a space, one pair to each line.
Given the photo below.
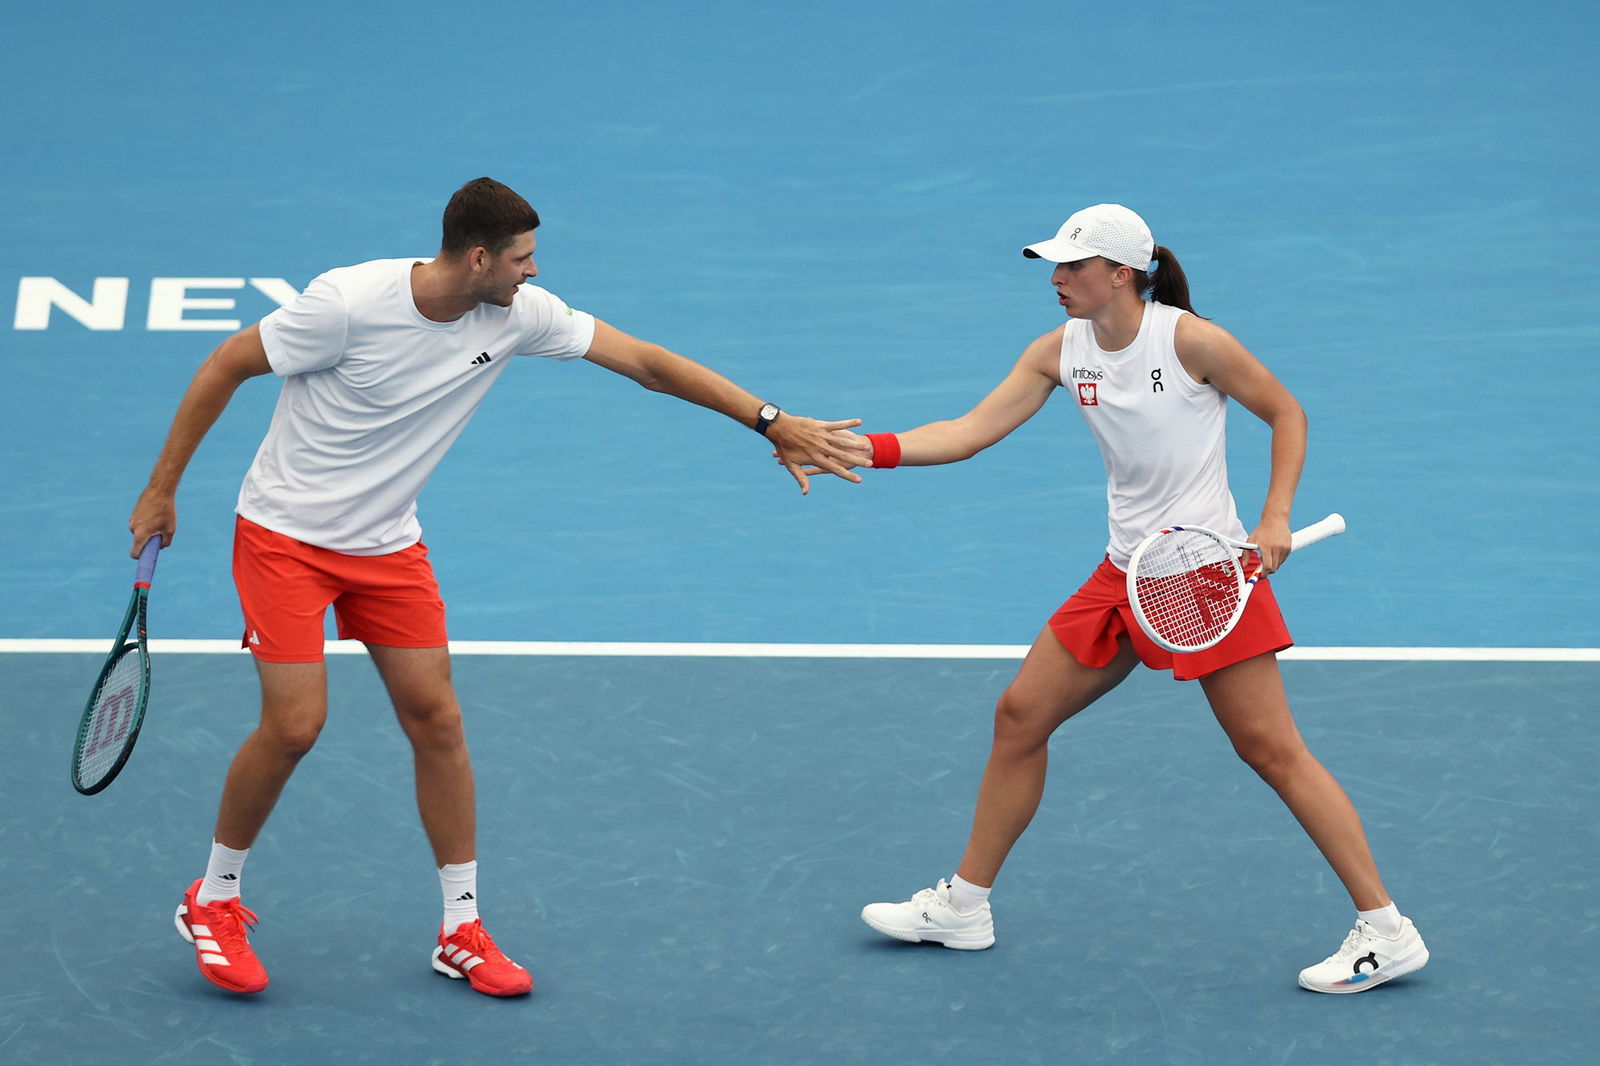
285, 587
1090, 625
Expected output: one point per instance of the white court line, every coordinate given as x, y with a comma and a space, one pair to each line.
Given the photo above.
823, 651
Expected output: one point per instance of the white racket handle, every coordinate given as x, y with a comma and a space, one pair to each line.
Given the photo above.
1331, 526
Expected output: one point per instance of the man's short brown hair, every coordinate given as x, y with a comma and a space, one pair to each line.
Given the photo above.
484, 213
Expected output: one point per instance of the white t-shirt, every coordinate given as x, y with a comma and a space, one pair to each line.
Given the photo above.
374, 396
1162, 434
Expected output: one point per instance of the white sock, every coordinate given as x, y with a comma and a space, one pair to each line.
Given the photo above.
459, 883
223, 870
965, 896
1384, 920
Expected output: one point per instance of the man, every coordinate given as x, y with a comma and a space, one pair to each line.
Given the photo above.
384, 363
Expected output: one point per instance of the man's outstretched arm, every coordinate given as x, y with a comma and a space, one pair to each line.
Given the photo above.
801, 442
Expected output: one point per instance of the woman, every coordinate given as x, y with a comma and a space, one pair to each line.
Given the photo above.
1152, 380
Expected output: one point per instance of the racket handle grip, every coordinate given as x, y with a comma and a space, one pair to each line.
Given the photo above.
1331, 526
147, 561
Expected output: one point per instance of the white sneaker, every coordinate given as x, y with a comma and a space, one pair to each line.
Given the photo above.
929, 916
1367, 959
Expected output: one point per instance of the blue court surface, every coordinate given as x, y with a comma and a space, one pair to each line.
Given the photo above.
1392, 205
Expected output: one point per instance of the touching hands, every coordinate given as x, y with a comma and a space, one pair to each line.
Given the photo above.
808, 447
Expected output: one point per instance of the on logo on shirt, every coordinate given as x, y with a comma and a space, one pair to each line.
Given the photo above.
1088, 395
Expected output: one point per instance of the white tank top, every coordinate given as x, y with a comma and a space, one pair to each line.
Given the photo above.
1162, 434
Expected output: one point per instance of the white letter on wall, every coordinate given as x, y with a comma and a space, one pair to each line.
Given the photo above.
105, 310
169, 299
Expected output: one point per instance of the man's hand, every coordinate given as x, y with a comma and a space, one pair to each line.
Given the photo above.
155, 515
805, 446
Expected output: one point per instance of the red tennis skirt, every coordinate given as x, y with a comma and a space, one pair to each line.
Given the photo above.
1098, 615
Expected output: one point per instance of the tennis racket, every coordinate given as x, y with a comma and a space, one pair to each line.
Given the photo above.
111, 719
1188, 586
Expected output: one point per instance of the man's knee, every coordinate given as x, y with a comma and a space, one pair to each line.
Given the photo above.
433, 723
291, 737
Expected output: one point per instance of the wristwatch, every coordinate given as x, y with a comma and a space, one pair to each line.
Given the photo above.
766, 416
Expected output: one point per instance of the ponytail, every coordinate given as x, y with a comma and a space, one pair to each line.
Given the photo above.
1167, 283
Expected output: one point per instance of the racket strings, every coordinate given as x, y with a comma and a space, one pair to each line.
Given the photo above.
111, 716
1188, 587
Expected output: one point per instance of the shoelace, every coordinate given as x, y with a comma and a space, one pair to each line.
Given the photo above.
475, 938
240, 918
1354, 942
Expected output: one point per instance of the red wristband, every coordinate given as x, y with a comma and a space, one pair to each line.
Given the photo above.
885, 450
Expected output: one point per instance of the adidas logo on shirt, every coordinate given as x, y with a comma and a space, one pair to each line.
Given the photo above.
484, 358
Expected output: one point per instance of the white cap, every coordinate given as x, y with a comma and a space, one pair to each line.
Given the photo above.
1109, 230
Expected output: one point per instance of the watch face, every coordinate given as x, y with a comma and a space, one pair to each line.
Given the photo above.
768, 412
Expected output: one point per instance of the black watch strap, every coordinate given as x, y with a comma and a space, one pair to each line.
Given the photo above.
766, 416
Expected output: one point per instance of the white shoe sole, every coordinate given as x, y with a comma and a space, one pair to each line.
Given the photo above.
1399, 968
961, 941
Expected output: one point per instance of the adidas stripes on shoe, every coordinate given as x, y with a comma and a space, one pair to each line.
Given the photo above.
470, 953
221, 944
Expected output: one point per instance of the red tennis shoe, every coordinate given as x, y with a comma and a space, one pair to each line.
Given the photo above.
470, 952
221, 946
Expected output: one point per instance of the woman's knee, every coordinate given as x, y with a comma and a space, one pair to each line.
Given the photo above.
1022, 724
1273, 758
